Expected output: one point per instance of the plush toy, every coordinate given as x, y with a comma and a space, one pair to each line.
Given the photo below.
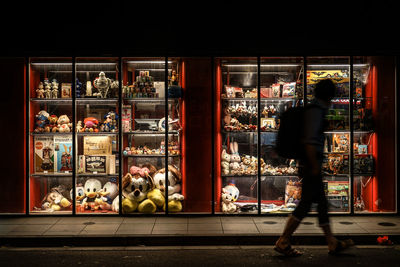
225, 160
174, 187
79, 193
91, 124
108, 194
41, 120
55, 200
230, 194
135, 186
53, 123
92, 189
234, 164
64, 125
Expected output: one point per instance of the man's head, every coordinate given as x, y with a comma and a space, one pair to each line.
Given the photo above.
325, 90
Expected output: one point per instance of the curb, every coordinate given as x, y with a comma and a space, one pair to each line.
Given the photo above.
177, 240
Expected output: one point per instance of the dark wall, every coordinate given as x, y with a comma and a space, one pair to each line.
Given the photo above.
12, 163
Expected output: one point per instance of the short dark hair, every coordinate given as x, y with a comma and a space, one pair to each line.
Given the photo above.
325, 90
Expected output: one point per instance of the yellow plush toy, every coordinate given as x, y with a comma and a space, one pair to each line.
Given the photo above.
147, 206
157, 197
128, 205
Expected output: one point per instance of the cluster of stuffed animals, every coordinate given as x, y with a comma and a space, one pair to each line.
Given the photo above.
234, 164
51, 123
95, 197
144, 188
91, 124
55, 200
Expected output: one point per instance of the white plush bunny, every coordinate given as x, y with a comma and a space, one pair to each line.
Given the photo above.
235, 157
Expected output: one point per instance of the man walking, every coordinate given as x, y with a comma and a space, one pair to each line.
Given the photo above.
310, 172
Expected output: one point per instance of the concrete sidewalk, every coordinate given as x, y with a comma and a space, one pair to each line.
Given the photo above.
212, 230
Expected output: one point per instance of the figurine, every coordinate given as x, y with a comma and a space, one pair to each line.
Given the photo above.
110, 124
40, 91
91, 124
79, 126
47, 90
78, 88
54, 90
173, 79
88, 88
102, 84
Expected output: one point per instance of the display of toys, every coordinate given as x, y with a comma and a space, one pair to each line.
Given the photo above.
143, 87
51, 123
173, 149
110, 123
47, 90
239, 165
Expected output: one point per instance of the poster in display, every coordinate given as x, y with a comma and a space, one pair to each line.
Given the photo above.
44, 154
338, 76
63, 153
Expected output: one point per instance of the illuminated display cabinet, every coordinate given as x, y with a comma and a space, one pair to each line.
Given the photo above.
181, 135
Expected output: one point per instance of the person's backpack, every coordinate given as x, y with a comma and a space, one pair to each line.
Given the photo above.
290, 133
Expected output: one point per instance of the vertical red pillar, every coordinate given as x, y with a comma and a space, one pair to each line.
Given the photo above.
12, 163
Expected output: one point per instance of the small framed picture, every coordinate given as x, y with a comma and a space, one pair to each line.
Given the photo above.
65, 90
268, 123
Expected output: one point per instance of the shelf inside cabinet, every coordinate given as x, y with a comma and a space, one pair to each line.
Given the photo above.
150, 100
150, 156
51, 174
267, 99
150, 133
96, 133
51, 133
54, 101
96, 101
96, 175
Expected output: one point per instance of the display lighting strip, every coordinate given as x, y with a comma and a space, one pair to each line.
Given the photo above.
262, 65
147, 62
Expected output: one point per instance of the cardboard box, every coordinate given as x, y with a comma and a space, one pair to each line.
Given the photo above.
97, 145
44, 154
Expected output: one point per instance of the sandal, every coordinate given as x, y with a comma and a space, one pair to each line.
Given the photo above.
342, 245
288, 251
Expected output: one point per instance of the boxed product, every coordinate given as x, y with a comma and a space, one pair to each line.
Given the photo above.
97, 145
44, 154
65, 90
289, 89
126, 118
363, 164
341, 142
276, 90
63, 153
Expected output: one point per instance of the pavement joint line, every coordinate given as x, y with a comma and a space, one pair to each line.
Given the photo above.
154, 248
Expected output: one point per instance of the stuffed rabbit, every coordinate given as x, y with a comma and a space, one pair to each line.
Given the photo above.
235, 157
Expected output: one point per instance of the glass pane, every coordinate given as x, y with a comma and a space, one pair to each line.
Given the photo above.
143, 117
176, 177
335, 165
281, 88
374, 134
236, 154
97, 144
50, 142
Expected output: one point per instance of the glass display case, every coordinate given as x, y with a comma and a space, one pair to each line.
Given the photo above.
236, 126
151, 124
97, 118
50, 136
337, 153
281, 87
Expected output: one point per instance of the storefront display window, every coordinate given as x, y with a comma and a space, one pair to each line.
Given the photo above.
173, 135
